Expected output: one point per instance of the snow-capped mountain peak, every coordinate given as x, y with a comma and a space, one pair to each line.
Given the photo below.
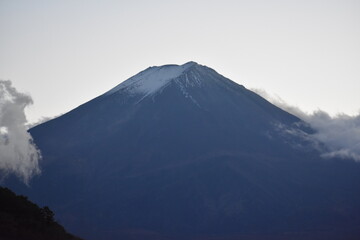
152, 79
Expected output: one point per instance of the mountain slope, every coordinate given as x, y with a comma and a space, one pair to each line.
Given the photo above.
181, 151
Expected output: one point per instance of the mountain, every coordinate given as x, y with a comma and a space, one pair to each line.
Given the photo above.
181, 152
22, 219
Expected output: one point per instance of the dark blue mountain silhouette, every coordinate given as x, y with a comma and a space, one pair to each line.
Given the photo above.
178, 152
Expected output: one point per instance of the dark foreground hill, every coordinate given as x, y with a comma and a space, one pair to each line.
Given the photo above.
21, 219
181, 152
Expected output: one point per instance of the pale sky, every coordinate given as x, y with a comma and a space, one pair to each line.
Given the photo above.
66, 52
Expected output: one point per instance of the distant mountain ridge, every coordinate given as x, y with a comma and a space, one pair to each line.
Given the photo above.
22, 220
181, 151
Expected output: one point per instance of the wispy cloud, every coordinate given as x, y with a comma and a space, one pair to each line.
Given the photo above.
41, 121
340, 133
18, 153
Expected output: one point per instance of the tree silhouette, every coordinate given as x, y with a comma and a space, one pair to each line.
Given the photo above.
47, 214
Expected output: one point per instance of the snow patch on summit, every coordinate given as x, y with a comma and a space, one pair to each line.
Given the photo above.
152, 79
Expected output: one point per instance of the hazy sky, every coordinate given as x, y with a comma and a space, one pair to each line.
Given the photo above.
65, 53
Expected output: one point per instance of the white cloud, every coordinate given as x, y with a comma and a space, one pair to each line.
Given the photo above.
340, 133
41, 121
18, 153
